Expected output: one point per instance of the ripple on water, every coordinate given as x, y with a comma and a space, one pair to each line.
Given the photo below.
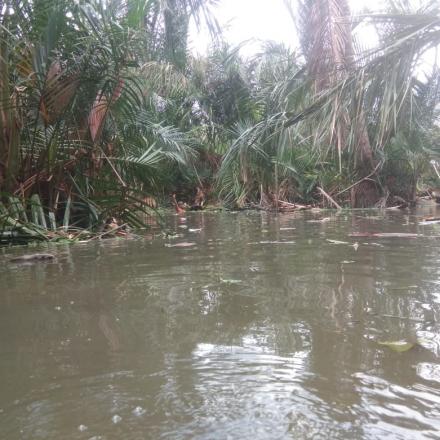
132, 339
398, 412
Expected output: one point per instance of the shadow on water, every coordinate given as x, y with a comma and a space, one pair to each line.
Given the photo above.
265, 327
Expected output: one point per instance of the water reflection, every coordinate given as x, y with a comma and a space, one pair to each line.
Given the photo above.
262, 329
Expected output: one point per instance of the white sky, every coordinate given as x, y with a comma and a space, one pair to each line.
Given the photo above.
244, 20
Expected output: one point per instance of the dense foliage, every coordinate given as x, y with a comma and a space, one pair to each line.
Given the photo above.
104, 112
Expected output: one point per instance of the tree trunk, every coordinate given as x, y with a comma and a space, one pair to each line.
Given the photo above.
328, 46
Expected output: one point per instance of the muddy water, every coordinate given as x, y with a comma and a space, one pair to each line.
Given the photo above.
262, 329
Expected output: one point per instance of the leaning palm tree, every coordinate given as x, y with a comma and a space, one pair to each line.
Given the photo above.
327, 44
362, 97
348, 108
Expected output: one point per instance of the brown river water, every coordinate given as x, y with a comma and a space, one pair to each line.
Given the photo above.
266, 327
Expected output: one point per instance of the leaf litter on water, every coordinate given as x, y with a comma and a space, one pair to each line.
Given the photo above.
403, 345
276, 242
336, 241
323, 220
398, 346
180, 245
385, 234
230, 281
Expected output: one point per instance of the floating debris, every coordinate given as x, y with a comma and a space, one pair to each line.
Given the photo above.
82, 428
184, 244
32, 258
385, 234
408, 318
230, 281
275, 242
116, 419
323, 220
398, 346
195, 230
287, 229
430, 221
173, 236
139, 411
337, 241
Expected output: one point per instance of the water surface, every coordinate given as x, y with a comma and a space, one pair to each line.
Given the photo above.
263, 329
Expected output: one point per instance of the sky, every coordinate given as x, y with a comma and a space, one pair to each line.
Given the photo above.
243, 20
255, 20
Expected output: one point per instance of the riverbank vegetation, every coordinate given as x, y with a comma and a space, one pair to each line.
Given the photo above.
105, 112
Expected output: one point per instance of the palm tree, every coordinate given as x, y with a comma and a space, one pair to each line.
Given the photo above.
327, 44
345, 107
362, 99
262, 155
78, 120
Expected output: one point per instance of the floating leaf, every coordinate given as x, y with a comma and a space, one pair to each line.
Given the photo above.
180, 245
32, 258
429, 221
399, 346
173, 236
229, 281
323, 220
275, 242
385, 234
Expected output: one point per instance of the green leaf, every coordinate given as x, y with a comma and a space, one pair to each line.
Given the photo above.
230, 281
399, 346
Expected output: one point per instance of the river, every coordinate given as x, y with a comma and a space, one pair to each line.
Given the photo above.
242, 326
